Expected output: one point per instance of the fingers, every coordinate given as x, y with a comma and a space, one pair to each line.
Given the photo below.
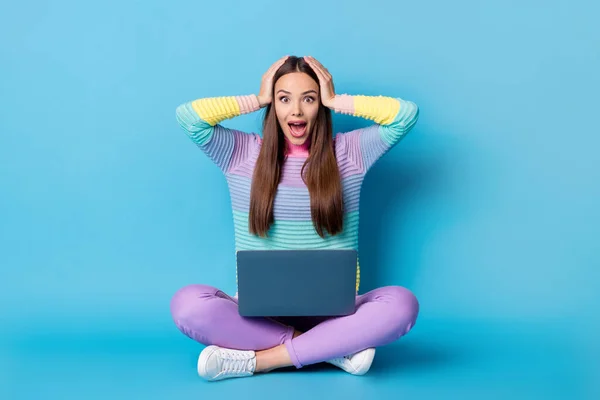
275, 66
266, 86
278, 63
325, 81
314, 64
320, 70
315, 68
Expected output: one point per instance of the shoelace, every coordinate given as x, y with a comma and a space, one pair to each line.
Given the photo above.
234, 361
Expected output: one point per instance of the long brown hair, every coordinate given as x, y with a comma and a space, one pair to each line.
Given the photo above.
322, 175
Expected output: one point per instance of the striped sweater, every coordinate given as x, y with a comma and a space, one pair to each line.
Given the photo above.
235, 153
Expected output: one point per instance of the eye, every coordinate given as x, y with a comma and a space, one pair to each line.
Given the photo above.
309, 99
284, 99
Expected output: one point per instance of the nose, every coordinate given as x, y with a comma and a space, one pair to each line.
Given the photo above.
297, 110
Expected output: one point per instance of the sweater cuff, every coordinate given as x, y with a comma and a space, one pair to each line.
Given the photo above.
248, 103
344, 104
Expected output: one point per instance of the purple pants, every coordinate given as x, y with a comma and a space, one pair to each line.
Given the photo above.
211, 317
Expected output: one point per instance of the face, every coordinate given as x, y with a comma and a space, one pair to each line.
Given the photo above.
296, 103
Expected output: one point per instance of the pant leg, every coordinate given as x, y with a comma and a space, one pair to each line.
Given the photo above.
210, 316
383, 315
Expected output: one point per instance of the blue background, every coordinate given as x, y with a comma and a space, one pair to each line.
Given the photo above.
488, 211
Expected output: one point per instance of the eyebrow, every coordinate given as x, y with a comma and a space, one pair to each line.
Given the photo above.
308, 91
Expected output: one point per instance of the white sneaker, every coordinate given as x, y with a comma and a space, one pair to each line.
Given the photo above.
355, 364
216, 363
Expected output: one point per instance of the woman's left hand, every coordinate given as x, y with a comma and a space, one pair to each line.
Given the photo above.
325, 81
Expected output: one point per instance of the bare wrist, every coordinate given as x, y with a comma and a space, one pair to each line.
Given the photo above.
329, 103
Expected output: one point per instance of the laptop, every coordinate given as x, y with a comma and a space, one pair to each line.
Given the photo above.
291, 283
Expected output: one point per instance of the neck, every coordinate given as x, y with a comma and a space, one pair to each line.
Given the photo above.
297, 150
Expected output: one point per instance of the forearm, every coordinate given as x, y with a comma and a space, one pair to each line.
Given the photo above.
198, 117
213, 110
395, 116
380, 109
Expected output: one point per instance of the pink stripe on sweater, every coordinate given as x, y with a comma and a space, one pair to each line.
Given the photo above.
248, 103
344, 104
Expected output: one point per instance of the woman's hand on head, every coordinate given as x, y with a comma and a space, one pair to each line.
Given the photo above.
325, 81
265, 96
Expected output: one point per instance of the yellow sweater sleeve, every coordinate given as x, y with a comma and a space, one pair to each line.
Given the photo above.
395, 116
199, 117
380, 109
216, 109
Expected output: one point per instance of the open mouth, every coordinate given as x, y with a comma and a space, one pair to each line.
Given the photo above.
297, 129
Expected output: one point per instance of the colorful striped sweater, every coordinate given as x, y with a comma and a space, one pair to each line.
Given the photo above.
235, 153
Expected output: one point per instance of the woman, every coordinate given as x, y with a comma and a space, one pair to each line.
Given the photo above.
296, 188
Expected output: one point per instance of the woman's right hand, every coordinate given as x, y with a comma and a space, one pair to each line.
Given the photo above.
266, 87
